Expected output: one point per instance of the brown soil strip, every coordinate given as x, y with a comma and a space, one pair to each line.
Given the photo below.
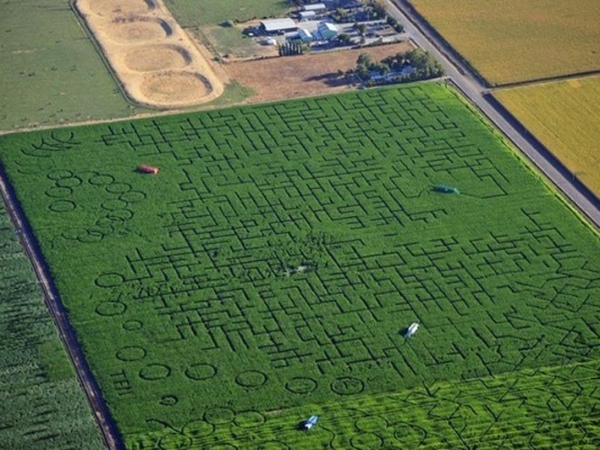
305, 75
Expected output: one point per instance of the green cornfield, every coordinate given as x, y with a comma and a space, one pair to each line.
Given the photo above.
273, 265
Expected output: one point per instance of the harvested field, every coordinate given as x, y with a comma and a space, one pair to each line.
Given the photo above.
564, 117
156, 57
111, 8
304, 75
510, 41
155, 60
136, 31
176, 87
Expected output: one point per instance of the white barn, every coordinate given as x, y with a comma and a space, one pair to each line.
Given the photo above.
274, 26
315, 7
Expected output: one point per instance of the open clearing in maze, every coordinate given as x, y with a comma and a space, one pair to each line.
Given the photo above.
283, 249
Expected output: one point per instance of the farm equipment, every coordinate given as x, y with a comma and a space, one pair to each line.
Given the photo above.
310, 422
445, 189
144, 168
411, 330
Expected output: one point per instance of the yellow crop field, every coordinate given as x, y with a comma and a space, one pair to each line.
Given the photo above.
564, 117
510, 41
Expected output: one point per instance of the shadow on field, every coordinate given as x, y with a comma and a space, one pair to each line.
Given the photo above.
332, 79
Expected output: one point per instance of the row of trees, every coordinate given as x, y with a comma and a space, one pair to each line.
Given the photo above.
371, 10
291, 48
425, 66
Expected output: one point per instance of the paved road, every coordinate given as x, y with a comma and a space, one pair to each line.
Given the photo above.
474, 89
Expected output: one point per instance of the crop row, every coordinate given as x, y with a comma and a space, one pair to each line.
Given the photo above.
41, 402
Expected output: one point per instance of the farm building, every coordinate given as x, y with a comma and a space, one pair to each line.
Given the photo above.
327, 31
307, 15
275, 26
304, 35
315, 7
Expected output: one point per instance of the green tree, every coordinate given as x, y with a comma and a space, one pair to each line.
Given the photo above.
344, 39
363, 60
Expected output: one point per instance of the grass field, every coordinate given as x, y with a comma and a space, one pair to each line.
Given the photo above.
42, 405
283, 249
564, 117
203, 18
510, 41
51, 73
196, 13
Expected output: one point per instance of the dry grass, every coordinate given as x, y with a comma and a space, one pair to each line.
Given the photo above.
514, 40
303, 76
564, 117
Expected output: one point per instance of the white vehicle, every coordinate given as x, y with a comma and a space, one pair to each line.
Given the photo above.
310, 422
411, 330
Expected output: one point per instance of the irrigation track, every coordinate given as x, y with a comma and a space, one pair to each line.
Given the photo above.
107, 426
475, 90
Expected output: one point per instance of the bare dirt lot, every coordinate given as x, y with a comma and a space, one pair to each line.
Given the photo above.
154, 59
305, 75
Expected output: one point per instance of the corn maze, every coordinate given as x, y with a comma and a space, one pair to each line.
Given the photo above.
281, 252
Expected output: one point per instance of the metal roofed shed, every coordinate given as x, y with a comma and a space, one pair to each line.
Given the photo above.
314, 7
278, 25
327, 30
304, 35
305, 15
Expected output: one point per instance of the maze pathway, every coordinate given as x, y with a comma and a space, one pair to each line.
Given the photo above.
283, 249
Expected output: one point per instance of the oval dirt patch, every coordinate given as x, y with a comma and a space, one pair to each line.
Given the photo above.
176, 88
110, 8
137, 30
156, 57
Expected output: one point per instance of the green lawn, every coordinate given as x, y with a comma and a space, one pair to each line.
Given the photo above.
195, 13
51, 72
283, 249
42, 405
202, 18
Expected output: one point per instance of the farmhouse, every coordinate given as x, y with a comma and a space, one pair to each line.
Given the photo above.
276, 26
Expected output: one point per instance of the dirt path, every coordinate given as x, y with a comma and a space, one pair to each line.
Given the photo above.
107, 426
154, 59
